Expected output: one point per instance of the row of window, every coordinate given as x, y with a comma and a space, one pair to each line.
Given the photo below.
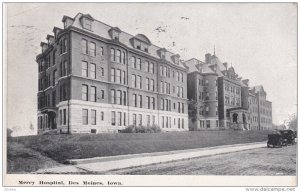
117, 56
265, 104
207, 123
232, 89
118, 97
205, 96
207, 109
232, 101
89, 48
166, 122
166, 72
93, 117
118, 76
265, 112
136, 63
90, 93
90, 70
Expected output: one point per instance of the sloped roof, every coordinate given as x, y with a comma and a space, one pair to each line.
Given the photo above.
101, 29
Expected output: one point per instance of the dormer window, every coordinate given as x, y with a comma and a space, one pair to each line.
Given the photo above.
87, 21
88, 24
140, 42
175, 58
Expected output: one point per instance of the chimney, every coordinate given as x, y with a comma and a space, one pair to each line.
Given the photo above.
246, 82
50, 39
207, 57
44, 46
225, 65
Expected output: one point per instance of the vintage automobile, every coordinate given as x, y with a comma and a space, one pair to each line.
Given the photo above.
288, 136
281, 138
275, 140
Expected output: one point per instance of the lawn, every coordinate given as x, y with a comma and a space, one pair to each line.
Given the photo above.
62, 147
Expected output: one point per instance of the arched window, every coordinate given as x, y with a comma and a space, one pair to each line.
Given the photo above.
123, 57
133, 62
112, 54
118, 56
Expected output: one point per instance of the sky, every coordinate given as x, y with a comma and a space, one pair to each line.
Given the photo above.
258, 39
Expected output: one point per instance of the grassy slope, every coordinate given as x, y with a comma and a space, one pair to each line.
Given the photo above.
63, 147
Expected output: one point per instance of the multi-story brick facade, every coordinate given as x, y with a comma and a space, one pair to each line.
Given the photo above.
97, 78
237, 106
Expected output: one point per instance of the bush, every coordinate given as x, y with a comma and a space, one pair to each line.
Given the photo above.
141, 129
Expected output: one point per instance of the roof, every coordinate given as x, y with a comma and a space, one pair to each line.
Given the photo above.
101, 29
258, 88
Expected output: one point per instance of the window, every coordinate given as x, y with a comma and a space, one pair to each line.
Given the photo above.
93, 116
84, 116
207, 123
182, 121
102, 116
54, 77
134, 119
124, 118
147, 84
140, 119
153, 120
84, 46
133, 81
112, 54
124, 77
112, 75
124, 57
118, 76
179, 107
53, 98
102, 94
138, 64
140, 101
113, 96
65, 117
139, 82
64, 45
134, 100
118, 56
162, 104
151, 70
217, 111
152, 85
93, 94
153, 103
93, 49
119, 118
162, 87
84, 68
119, 97
147, 66
84, 92
113, 118
133, 62
101, 51
178, 123
102, 71
182, 108
148, 102
181, 90
61, 117
148, 120
93, 71
88, 24
124, 98
53, 58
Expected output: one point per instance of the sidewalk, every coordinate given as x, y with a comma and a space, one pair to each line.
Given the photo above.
103, 164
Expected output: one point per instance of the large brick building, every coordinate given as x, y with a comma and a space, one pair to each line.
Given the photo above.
220, 99
97, 78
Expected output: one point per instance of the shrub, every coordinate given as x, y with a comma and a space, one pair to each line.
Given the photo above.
141, 129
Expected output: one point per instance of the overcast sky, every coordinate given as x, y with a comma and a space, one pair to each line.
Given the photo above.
260, 40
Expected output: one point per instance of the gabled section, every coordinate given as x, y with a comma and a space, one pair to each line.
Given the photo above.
162, 53
114, 33
67, 21
50, 39
44, 46
140, 42
86, 21
175, 58
56, 31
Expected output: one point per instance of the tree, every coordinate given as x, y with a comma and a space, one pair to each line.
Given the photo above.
293, 122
